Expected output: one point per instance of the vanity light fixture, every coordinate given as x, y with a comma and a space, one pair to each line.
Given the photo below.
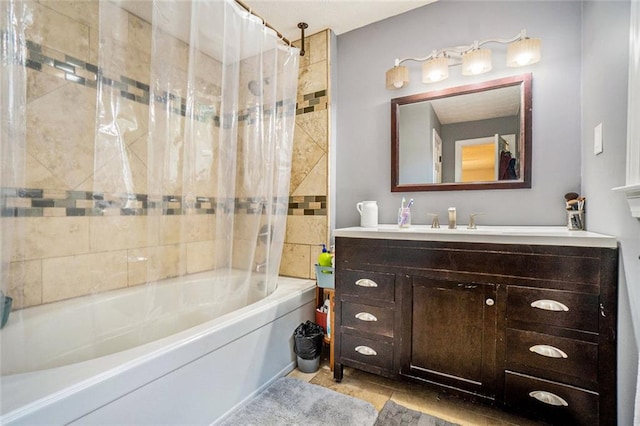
435, 69
474, 59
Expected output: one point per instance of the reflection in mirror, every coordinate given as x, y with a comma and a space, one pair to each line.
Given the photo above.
469, 137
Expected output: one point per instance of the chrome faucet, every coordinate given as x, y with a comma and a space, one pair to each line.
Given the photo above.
472, 220
261, 267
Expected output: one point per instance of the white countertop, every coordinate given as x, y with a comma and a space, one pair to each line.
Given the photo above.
538, 235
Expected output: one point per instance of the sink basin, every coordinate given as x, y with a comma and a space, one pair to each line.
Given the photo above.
541, 235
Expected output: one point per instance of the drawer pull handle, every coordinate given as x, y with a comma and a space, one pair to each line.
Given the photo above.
366, 282
549, 305
548, 351
549, 398
366, 316
366, 350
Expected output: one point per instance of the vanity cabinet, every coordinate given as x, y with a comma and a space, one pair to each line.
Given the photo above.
528, 327
453, 334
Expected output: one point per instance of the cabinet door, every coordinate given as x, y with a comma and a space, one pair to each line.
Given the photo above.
453, 334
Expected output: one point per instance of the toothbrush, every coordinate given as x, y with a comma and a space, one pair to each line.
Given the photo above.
402, 204
410, 203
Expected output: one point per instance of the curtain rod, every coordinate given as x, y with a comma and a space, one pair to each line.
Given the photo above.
248, 9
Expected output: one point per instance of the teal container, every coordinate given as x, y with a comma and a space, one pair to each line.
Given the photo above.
5, 307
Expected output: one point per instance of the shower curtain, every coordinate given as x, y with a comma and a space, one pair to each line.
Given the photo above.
183, 168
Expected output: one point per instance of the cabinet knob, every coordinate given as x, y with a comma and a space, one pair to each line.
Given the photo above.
366, 282
490, 302
366, 316
366, 350
549, 398
548, 351
550, 305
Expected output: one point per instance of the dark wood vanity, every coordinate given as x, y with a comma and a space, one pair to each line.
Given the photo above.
528, 327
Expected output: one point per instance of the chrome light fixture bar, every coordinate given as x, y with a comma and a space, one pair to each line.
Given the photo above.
521, 51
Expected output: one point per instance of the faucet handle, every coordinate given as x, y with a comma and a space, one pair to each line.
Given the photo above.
472, 220
435, 223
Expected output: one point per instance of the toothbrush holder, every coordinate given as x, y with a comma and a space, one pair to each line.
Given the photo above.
404, 217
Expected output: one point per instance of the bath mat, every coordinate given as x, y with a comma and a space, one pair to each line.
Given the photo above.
293, 402
393, 414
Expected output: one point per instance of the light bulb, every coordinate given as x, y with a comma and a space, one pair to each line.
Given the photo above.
523, 59
436, 76
523, 52
476, 62
397, 84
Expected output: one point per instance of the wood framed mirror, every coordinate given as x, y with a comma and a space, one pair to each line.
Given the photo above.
476, 136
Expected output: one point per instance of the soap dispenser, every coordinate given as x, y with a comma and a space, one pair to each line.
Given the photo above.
324, 259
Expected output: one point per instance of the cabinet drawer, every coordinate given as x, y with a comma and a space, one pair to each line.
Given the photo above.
564, 405
367, 351
559, 308
366, 284
575, 358
370, 319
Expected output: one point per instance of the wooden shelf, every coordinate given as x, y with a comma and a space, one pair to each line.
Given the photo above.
321, 296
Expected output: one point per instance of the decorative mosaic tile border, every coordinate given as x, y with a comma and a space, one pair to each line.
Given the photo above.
61, 65
311, 102
28, 202
23, 202
308, 205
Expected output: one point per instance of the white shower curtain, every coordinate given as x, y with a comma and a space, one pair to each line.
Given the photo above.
218, 150
184, 171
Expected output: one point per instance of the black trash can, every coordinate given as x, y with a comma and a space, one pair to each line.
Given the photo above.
307, 344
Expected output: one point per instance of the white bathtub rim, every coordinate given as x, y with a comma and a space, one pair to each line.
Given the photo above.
161, 356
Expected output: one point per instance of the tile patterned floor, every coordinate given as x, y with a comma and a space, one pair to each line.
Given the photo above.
377, 390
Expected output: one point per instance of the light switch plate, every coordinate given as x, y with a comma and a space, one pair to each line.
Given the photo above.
597, 139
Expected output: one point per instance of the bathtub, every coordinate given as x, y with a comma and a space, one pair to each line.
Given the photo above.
85, 363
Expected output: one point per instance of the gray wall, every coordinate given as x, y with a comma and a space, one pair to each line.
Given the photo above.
574, 89
604, 100
363, 127
416, 155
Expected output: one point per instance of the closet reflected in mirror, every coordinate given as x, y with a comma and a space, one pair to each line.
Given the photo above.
469, 137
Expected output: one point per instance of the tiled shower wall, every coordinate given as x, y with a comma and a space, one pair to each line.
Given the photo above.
308, 221
83, 230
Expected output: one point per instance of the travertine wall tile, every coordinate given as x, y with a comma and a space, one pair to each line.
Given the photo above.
121, 174
38, 176
306, 230
155, 263
56, 236
200, 256
45, 30
318, 47
83, 11
306, 154
39, 84
315, 124
313, 78
120, 232
25, 283
295, 260
60, 129
139, 34
315, 182
72, 276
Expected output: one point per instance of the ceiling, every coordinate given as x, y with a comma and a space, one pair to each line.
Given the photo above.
495, 103
339, 15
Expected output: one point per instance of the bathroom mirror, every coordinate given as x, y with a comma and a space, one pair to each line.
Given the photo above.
476, 136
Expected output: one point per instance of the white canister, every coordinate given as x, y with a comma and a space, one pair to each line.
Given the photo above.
368, 213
